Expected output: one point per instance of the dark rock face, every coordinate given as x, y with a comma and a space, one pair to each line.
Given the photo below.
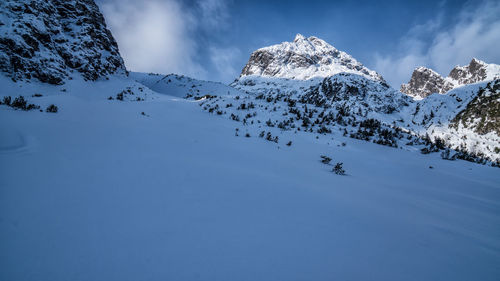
425, 81
262, 59
473, 73
482, 114
50, 39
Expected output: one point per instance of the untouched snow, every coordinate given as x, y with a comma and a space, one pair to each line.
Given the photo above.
181, 86
99, 191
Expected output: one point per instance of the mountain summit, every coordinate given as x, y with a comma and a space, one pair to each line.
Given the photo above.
302, 59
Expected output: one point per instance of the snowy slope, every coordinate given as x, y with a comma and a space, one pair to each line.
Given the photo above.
101, 191
181, 86
153, 177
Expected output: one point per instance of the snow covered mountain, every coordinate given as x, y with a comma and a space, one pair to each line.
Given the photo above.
425, 81
52, 40
465, 119
312, 71
353, 98
303, 59
464, 114
308, 167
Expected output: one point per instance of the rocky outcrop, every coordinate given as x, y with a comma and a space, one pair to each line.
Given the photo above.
49, 40
475, 72
425, 81
302, 59
482, 114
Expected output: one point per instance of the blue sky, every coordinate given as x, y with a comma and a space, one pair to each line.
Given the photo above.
213, 39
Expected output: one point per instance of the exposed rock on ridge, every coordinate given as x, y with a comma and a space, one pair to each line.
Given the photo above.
425, 81
50, 39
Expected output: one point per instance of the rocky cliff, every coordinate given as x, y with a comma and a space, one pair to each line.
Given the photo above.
51, 40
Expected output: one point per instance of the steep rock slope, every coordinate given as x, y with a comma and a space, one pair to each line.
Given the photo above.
476, 71
425, 81
50, 40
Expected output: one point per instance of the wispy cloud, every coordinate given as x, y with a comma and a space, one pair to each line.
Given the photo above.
152, 35
224, 61
476, 33
161, 35
214, 13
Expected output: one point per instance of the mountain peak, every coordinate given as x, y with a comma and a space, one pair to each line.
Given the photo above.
303, 59
476, 61
425, 81
299, 37
476, 71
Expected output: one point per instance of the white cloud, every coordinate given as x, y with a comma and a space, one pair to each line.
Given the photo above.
163, 36
223, 60
214, 13
476, 33
153, 36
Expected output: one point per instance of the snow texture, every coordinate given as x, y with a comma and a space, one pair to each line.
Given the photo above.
101, 191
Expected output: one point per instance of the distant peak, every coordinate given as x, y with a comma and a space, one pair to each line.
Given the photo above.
476, 61
425, 81
422, 68
299, 37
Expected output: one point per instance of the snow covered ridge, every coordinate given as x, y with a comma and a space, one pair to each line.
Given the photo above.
465, 118
425, 81
303, 59
356, 94
51, 40
351, 106
181, 86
